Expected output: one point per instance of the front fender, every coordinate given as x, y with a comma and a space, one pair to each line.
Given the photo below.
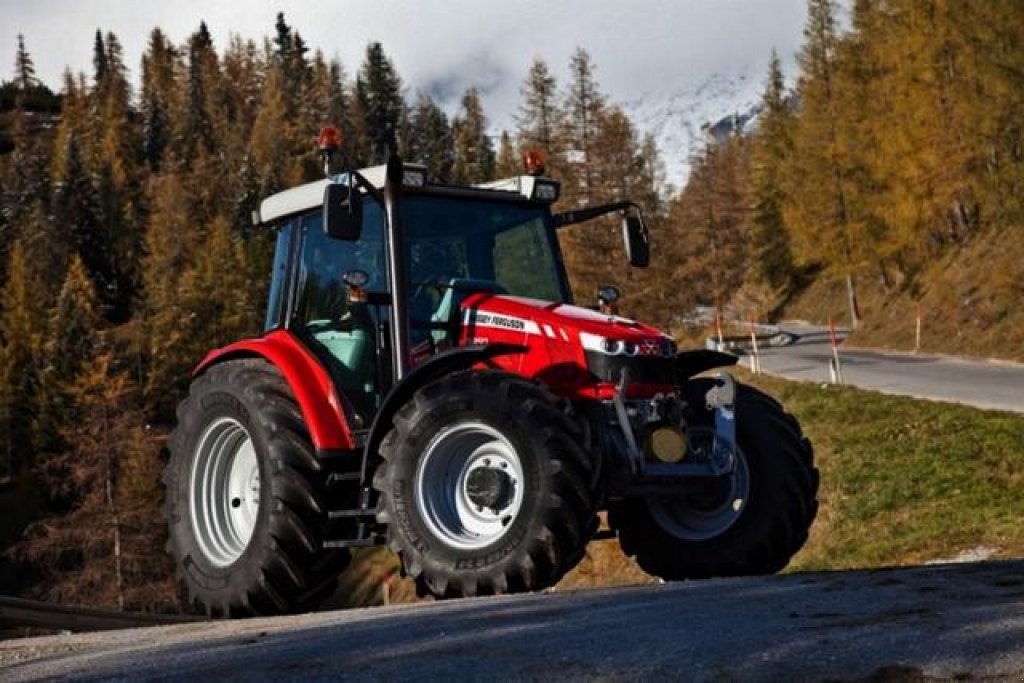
313, 389
461, 358
690, 363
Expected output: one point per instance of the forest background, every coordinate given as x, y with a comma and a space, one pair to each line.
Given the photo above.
887, 182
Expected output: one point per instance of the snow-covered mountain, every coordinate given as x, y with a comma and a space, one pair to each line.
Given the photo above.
681, 119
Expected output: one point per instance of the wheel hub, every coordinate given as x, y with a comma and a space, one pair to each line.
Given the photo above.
489, 487
225, 491
469, 485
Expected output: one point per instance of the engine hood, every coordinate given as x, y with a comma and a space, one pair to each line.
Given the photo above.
552, 320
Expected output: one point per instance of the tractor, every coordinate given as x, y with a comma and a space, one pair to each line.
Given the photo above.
425, 381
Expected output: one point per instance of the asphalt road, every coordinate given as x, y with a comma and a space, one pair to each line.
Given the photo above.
953, 621
983, 384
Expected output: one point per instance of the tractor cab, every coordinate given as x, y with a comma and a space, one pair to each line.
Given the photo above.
335, 292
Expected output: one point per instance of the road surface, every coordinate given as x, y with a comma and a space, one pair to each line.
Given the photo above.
983, 384
946, 622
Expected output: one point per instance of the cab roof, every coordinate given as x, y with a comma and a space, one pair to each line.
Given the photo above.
303, 198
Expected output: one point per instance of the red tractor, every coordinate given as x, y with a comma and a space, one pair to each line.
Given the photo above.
425, 381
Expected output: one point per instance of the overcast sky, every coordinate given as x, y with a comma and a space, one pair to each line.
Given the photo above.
442, 46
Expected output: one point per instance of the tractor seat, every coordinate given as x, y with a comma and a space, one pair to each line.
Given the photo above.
446, 317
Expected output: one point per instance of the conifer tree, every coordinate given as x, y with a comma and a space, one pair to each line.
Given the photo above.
379, 92
820, 213
71, 335
429, 138
19, 327
474, 153
166, 320
539, 117
24, 72
772, 147
584, 109
507, 162
105, 551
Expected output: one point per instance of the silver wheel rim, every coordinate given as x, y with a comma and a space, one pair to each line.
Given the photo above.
224, 491
680, 517
442, 485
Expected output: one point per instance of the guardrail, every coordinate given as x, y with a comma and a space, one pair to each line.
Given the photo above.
20, 613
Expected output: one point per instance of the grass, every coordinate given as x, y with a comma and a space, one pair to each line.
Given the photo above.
904, 481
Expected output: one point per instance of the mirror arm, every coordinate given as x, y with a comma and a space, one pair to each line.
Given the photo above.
580, 215
356, 179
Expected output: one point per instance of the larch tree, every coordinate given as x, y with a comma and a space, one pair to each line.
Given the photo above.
771, 148
70, 338
819, 210
584, 109
540, 117
19, 327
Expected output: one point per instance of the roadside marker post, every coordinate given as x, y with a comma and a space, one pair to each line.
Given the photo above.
917, 330
755, 357
718, 329
835, 365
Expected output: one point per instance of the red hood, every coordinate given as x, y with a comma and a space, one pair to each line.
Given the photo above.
551, 319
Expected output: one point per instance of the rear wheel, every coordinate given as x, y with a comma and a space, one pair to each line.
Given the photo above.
244, 496
751, 521
484, 486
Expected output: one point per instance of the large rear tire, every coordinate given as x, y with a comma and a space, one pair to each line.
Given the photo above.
245, 496
483, 486
747, 523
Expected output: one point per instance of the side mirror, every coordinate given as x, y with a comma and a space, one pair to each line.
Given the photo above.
636, 240
343, 212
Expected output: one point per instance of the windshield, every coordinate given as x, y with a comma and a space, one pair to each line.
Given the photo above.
509, 244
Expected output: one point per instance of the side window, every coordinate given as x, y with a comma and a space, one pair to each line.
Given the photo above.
277, 298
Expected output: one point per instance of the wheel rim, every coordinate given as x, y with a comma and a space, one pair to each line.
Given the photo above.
706, 513
225, 491
447, 485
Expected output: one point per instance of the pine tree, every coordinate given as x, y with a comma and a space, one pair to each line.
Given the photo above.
99, 58
474, 153
379, 92
77, 211
24, 72
429, 138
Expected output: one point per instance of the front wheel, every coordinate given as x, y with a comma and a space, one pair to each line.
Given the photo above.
244, 501
751, 521
483, 486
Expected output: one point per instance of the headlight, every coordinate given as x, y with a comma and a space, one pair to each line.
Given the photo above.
605, 345
628, 347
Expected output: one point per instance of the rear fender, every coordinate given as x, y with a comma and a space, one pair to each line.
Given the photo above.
314, 391
454, 360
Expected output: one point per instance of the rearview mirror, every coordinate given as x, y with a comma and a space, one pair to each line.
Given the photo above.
343, 212
636, 240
